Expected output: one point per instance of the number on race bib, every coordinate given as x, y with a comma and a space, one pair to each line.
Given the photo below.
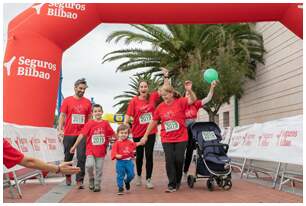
171, 126
78, 119
97, 139
145, 118
208, 135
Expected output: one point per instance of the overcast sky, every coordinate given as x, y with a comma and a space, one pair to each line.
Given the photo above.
84, 58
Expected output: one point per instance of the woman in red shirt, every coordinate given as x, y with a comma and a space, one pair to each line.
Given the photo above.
141, 108
174, 136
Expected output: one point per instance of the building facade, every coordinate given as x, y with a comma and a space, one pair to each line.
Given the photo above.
277, 91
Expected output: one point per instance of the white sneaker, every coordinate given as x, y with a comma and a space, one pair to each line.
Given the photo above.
149, 184
138, 180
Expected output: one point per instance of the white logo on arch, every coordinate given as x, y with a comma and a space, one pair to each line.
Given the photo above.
8, 65
37, 8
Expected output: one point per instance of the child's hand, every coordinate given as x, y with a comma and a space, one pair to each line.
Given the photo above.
118, 156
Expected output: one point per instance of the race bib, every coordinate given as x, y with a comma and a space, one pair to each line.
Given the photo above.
97, 139
78, 119
145, 118
171, 126
208, 135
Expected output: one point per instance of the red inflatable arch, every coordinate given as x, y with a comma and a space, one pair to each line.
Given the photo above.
38, 37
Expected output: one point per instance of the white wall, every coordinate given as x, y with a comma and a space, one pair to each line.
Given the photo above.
278, 89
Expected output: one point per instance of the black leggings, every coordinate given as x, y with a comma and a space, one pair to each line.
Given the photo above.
148, 148
189, 151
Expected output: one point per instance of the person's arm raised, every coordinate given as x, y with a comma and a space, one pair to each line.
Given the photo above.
166, 76
210, 94
188, 88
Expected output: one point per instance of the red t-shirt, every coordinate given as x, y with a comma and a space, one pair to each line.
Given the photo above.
11, 156
126, 148
142, 113
97, 137
192, 110
77, 111
172, 116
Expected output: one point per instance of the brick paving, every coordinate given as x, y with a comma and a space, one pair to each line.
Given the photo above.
30, 192
242, 191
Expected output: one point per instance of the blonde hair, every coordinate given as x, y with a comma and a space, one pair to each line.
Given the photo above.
170, 89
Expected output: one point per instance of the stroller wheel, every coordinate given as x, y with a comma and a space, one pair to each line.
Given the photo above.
190, 181
210, 185
227, 185
219, 181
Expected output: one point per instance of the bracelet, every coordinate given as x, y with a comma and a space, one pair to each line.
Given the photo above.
58, 169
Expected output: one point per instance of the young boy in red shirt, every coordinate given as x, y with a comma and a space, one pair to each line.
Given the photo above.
123, 151
98, 134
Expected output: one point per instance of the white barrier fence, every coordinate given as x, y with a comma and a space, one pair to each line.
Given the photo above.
39, 142
279, 141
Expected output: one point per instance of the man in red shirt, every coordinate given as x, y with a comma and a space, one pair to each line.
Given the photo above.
12, 157
98, 134
75, 112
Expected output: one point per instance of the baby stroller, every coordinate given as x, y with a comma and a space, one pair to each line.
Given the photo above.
210, 159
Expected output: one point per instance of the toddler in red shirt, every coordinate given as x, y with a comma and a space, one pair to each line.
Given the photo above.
123, 151
98, 134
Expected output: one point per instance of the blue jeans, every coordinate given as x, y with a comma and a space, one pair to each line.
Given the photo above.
124, 167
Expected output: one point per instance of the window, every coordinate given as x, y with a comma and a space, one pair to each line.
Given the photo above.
225, 119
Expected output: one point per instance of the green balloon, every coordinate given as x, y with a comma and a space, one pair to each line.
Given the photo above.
210, 75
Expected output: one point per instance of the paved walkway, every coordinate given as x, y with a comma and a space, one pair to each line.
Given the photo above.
242, 191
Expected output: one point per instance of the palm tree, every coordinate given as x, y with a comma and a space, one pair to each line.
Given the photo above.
124, 99
180, 46
172, 47
234, 50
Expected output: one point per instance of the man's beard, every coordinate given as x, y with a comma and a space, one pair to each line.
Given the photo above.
80, 94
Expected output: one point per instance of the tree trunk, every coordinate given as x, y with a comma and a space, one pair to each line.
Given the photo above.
211, 116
